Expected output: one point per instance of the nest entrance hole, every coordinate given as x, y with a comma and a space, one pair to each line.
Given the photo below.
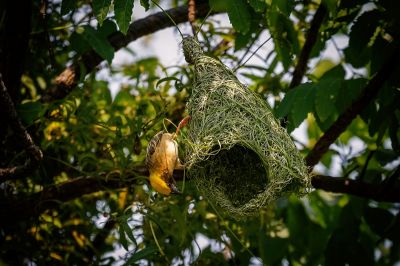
238, 173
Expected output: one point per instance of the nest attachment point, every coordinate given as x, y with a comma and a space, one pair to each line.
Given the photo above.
237, 153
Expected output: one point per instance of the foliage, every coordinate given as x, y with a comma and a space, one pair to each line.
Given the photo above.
95, 137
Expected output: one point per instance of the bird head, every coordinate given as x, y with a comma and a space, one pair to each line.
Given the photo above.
161, 186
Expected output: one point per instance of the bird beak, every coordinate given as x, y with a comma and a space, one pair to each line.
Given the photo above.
174, 189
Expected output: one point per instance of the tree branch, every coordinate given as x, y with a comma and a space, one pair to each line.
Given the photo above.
311, 38
68, 79
377, 192
34, 153
17, 209
344, 120
312, 35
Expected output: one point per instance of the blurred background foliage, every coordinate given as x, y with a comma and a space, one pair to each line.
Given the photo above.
91, 133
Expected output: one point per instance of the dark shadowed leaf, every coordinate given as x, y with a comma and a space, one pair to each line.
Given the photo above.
272, 249
100, 9
67, 6
141, 254
378, 219
30, 111
327, 91
145, 4
258, 5
98, 43
239, 15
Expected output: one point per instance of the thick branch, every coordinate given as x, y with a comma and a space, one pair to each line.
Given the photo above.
14, 210
20, 209
378, 192
35, 154
69, 78
312, 35
344, 120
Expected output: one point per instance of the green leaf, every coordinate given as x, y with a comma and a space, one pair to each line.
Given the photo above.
394, 134
78, 43
67, 6
385, 156
239, 15
124, 98
331, 5
100, 9
123, 14
145, 4
336, 72
258, 5
242, 40
107, 28
144, 253
128, 231
284, 35
286, 105
298, 102
272, 249
122, 238
378, 219
303, 104
285, 6
325, 98
363, 29
219, 5
358, 53
349, 91
322, 67
30, 111
99, 43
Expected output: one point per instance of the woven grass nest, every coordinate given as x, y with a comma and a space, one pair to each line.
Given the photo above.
237, 153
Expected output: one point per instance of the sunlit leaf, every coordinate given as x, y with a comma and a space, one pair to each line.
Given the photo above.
123, 14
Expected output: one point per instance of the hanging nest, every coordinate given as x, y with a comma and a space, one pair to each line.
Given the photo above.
237, 153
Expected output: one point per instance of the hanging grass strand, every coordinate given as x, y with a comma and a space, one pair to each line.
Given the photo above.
237, 153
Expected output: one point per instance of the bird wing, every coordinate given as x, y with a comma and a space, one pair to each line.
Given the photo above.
151, 147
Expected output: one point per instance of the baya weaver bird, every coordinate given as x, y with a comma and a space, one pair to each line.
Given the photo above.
162, 159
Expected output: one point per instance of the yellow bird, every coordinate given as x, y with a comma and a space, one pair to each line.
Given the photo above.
162, 159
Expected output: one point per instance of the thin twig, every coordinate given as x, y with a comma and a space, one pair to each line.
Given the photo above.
33, 151
311, 39
68, 79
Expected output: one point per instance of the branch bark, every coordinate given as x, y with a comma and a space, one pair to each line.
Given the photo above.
344, 120
34, 153
51, 197
378, 192
68, 79
312, 35
14, 210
